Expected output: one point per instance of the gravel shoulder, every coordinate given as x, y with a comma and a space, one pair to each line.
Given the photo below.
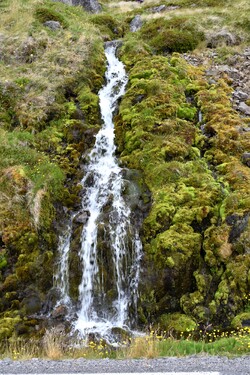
239, 365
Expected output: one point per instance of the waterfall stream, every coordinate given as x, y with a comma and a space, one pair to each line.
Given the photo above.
110, 245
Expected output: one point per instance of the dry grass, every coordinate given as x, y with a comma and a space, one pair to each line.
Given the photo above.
143, 347
54, 343
22, 350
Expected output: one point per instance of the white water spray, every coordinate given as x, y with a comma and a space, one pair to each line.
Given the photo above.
103, 200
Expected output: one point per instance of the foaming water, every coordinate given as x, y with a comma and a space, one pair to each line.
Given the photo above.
108, 289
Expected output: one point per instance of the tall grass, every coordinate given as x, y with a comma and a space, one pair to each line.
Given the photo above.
57, 345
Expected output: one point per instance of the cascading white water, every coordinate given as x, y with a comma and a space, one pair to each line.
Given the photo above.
61, 277
103, 187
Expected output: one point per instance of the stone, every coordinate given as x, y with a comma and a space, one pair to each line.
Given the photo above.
244, 108
136, 24
81, 218
53, 25
91, 6
240, 95
159, 9
246, 158
222, 37
163, 8
60, 312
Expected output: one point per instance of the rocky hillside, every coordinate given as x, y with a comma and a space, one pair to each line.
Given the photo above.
183, 123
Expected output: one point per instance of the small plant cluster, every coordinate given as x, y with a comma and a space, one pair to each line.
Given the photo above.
56, 345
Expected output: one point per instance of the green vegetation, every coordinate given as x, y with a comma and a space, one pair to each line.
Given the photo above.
152, 345
167, 36
197, 179
45, 77
196, 233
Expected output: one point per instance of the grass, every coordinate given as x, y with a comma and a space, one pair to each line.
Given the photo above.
209, 16
36, 66
56, 345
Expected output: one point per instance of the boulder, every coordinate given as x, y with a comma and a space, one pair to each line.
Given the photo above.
163, 8
53, 25
222, 37
246, 158
238, 94
91, 6
82, 217
60, 312
244, 108
136, 23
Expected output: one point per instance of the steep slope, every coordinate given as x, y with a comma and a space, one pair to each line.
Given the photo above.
49, 114
183, 123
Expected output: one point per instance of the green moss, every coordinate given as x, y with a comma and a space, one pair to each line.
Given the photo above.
238, 321
176, 323
3, 261
46, 13
7, 325
186, 231
167, 36
110, 27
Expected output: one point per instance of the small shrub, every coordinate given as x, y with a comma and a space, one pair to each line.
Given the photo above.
53, 343
44, 14
174, 41
108, 25
176, 35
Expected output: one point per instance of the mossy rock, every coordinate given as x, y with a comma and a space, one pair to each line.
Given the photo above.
168, 36
7, 326
110, 27
44, 14
176, 323
241, 320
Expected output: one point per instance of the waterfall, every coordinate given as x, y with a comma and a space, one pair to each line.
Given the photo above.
110, 245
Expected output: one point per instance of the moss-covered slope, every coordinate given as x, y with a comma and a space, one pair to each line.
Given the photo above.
48, 116
182, 132
175, 124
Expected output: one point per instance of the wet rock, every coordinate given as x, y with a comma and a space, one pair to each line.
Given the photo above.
136, 23
120, 334
238, 226
53, 25
246, 158
244, 108
51, 300
245, 323
31, 304
82, 217
60, 312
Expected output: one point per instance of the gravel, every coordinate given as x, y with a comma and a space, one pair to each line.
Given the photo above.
239, 365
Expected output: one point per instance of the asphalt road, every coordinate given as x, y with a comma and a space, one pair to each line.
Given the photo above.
195, 365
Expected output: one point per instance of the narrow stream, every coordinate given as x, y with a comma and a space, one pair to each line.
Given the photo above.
110, 246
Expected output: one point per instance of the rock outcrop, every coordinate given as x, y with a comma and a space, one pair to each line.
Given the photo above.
91, 6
